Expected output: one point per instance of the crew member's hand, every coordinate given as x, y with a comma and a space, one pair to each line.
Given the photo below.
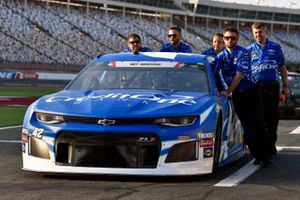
225, 93
286, 92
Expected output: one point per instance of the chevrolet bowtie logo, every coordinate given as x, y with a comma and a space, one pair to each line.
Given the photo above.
106, 122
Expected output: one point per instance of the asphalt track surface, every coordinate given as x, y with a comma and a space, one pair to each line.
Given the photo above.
240, 180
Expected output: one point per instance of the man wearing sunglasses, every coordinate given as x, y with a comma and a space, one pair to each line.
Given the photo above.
134, 44
175, 45
267, 62
234, 64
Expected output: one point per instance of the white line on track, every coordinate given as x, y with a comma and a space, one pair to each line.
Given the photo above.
287, 147
10, 141
296, 131
10, 127
240, 175
246, 171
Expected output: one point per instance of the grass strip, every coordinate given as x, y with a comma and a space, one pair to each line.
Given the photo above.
11, 116
26, 91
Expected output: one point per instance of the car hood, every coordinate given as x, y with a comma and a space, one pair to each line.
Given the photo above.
124, 103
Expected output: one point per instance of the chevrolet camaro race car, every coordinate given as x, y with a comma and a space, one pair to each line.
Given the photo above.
149, 113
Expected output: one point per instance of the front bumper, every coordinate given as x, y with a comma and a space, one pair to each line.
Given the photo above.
177, 152
31, 163
203, 165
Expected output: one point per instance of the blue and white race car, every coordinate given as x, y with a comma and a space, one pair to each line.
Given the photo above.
150, 113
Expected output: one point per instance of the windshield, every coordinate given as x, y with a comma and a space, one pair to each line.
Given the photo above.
142, 75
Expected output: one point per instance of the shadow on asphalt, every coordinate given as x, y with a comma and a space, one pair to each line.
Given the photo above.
284, 171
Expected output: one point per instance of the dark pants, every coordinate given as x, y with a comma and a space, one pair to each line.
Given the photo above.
248, 107
270, 100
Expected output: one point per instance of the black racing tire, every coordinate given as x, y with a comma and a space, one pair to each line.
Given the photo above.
217, 146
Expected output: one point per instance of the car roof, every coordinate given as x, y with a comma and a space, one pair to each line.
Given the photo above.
155, 56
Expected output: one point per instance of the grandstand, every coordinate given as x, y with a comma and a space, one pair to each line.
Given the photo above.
67, 34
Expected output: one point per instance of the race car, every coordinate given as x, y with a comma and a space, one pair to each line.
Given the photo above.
290, 107
150, 113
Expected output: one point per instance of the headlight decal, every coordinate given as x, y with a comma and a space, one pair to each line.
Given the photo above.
49, 118
176, 121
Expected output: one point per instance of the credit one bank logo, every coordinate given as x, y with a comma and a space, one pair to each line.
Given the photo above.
145, 98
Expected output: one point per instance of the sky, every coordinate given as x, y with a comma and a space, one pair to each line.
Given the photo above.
293, 4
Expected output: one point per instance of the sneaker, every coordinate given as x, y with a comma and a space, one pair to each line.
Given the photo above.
273, 151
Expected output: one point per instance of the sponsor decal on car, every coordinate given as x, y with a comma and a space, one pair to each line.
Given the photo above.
205, 135
183, 137
180, 99
145, 64
25, 131
146, 139
207, 142
208, 152
24, 138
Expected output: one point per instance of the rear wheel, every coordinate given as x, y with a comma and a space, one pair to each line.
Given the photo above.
217, 146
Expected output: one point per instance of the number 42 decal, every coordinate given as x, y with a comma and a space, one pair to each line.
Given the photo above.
38, 133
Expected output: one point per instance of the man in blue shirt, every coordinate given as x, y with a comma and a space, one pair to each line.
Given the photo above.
234, 64
217, 45
134, 44
174, 45
267, 61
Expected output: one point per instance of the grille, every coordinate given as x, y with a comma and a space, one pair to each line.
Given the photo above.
108, 150
92, 120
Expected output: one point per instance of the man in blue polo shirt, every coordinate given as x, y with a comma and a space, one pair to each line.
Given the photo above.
135, 45
175, 45
217, 45
234, 64
267, 61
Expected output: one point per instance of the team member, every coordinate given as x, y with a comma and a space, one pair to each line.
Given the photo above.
135, 45
174, 45
234, 64
267, 60
217, 45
